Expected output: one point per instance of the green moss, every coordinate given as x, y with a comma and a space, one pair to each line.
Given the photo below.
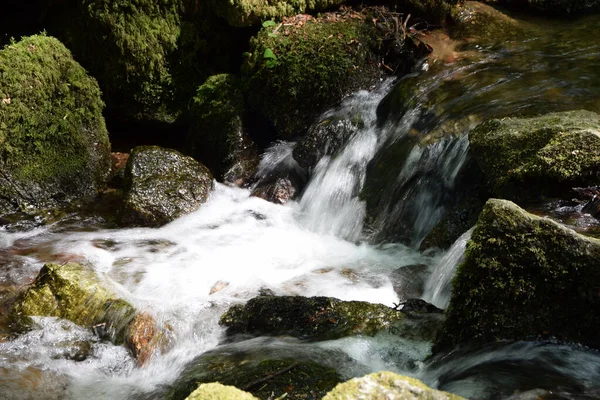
53, 140
74, 292
309, 317
295, 74
559, 6
217, 137
216, 391
529, 157
253, 12
524, 277
387, 385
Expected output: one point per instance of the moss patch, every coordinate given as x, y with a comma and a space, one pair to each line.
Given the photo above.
524, 277
53, 140
216, 391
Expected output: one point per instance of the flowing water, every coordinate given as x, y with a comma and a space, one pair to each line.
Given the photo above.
187, 273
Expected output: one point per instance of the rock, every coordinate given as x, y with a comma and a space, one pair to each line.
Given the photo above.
524, 277
556, 6
409, 281
475, 20
279, 192
54, 146
592, 207
325, 138
217, 135
386, 386
217, 391
253, 12
144, 338
315, 318
262, 369
32, 383
162, 184
74, 292
297, 71
525, 158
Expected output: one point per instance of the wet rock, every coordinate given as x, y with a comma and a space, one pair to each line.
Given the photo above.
163, 184
325, 138
54, 146
117, 170
409, 281
386, 385
32, 383
279, 192
217, 136
74, 292
558, 7
524, 277
526, 158
266, 370
315, 318
217, 391
144, 338
475, 20
592, 206
297, 71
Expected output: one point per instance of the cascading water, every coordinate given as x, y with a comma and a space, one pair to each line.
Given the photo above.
187, 273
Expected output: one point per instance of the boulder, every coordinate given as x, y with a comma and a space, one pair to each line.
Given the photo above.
162, 184
315, 318
296, 71
558, 7
74, 292
217, 136
253, 12
217, 391
528, 158
54, 146
524, 277
476, 20
386, 386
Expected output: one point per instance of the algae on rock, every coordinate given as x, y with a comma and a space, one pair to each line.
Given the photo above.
387, 386
315, 318
525, 158
217, 391
54, 145
524, 277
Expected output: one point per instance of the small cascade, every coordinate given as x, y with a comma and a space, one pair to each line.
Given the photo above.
438, 286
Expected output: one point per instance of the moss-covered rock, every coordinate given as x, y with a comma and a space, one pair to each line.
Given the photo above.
314, 318
253, 12
162, 184
53, 141
74, 292
294, 73
127, 45
476, 20
524, 277
386, 386
266, 372
217, 391
217, 135
525, 158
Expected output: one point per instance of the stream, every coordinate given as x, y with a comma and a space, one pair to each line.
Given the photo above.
327, 243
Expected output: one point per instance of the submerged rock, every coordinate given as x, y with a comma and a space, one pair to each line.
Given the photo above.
386, 386
524, 277
280, 191
296, 71
316, 318
263, 370
525, 158
217, 135
54, 145
217, 391
162, 184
